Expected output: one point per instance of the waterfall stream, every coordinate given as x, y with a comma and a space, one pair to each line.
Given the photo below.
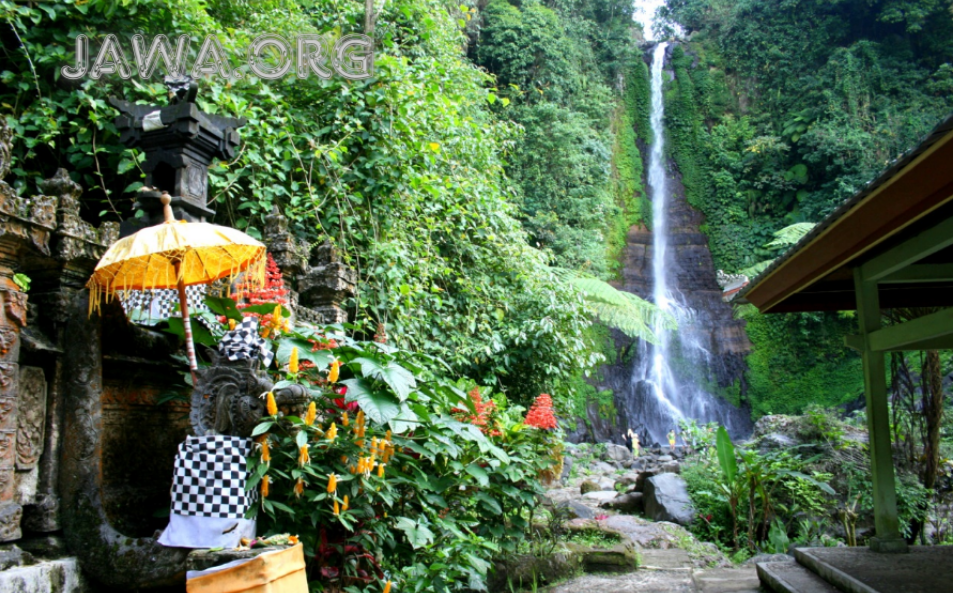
668, 381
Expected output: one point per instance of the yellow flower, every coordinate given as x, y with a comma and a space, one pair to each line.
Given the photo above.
334, 371
293, 363
292, 539
265, 449
299, 488
387, 587
311, 415
343, 458
360, 418
332, 432
344, 420
272, 405
303, 456
359, 443
380, 470
345, 505
332, 483
374, 446
231, 324
387, 436
264, 486
337, 507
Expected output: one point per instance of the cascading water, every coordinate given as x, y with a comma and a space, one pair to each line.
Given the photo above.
667, 383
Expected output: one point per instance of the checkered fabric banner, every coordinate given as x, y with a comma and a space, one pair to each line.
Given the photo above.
244, 342
209, 477
157, 305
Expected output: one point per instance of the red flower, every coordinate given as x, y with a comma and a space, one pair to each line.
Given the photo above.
483, 411
541, 414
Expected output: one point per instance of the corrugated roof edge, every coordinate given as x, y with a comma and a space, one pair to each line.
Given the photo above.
895, 167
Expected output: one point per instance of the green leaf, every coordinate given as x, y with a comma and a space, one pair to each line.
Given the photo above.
418, 535
223, 306
406, 420
726, 455
200, 334
479, 473
395, 376
378, 406
320, 358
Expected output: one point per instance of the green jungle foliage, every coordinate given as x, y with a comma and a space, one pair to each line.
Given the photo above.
563, 70
402, 172
778, 112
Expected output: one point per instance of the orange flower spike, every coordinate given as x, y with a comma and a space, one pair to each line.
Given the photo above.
345, 505
271, 404
360, 418
334, 371
380, 470
293, 362
344, 420
359, 443
332, 483
311, 414
265, 449
265, 481
373, 445
231, 324
337, 507
303, 456
343, 458
299, 488
332, 432
387, 587
353, 469
387, 436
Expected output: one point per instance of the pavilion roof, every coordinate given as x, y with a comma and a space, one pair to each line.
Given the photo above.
913, 195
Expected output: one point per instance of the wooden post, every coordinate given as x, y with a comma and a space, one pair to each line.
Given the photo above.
888, 539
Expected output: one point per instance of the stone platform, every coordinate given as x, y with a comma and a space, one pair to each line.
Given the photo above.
858, 570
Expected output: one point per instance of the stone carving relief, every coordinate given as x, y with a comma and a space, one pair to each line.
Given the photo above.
227, 398
15, 306
8, 379
10, 522
31, 417
8, 340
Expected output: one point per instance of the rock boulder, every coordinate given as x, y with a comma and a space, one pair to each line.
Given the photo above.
666, 499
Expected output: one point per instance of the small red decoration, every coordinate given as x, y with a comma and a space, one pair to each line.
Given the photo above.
541, 414
273, 292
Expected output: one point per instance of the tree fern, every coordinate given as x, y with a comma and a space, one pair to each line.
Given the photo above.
624, 311
786, 237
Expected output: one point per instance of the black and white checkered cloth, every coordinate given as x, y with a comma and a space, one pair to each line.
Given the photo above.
159, 304
209, 477
244, 342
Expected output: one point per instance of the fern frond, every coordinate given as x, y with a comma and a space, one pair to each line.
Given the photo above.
790, 235
757, 268
635, 317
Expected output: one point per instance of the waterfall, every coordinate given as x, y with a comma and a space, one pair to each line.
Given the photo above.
668, 379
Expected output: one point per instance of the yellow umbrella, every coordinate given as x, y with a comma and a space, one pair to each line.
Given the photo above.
176, 254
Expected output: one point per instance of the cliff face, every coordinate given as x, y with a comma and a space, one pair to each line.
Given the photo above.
722, 339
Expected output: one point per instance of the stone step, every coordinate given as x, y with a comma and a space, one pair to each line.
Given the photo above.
726, 580
791, 577
671, 559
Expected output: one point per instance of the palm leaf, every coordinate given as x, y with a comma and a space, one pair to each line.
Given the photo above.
635, 317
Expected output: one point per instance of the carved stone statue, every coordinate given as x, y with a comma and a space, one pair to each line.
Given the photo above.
229, 398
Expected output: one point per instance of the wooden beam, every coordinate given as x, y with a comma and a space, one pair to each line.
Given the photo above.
907, 335
909, 252
921, 273
854, 343
886, 519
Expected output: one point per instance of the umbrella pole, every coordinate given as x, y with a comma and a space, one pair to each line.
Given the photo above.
187, 325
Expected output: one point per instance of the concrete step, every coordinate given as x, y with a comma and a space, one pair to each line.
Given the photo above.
791, 577
671, 559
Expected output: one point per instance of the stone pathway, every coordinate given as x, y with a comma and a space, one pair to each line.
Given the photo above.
672, 560
666, 571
